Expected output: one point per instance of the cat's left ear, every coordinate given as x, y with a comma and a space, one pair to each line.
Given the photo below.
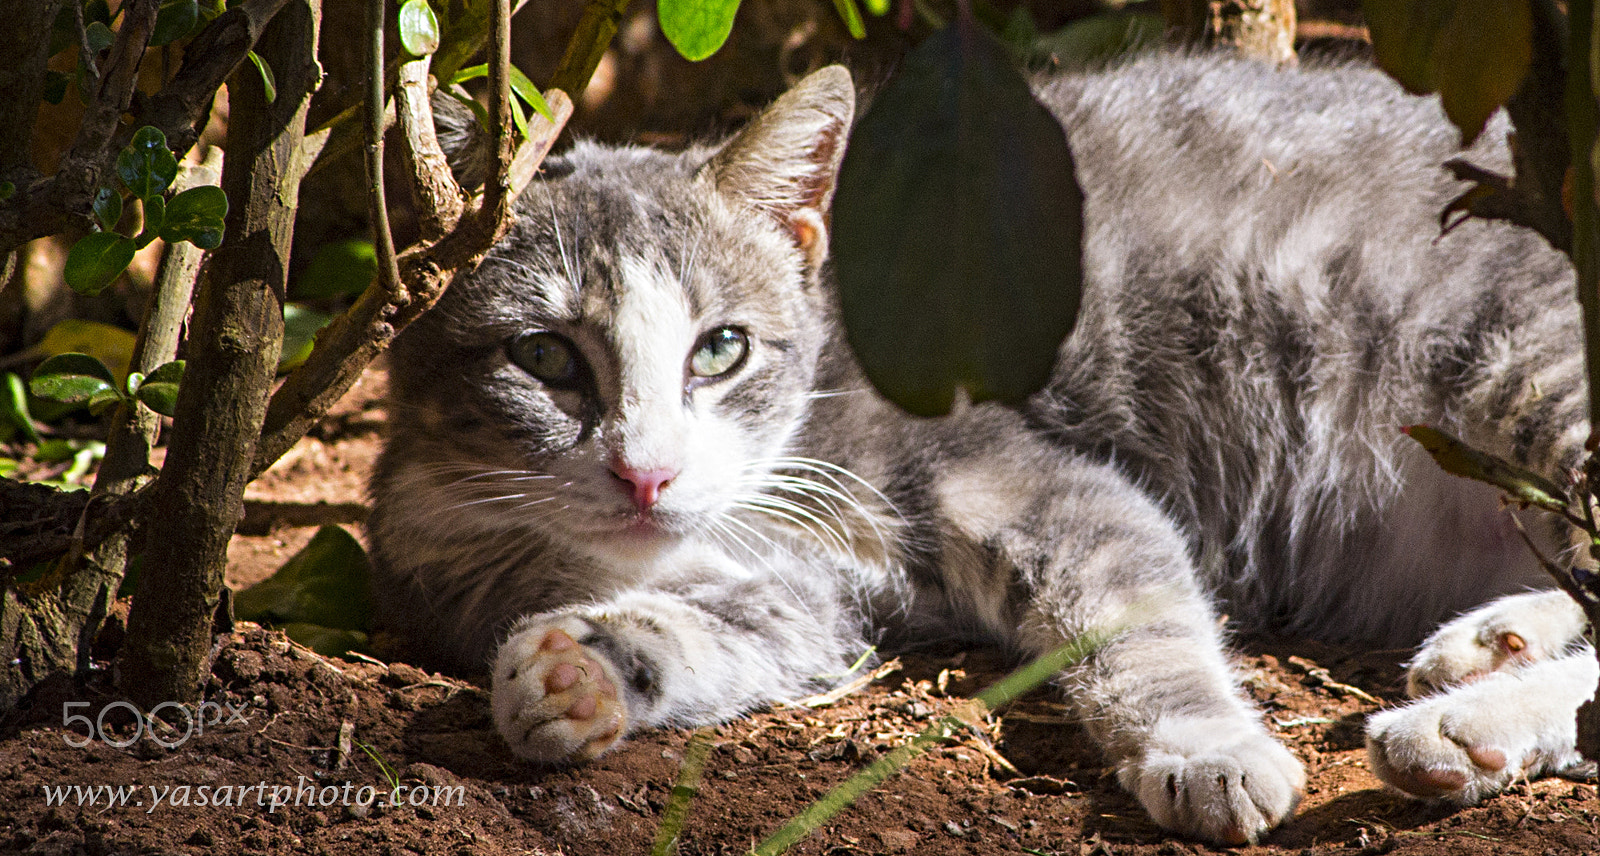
785, 162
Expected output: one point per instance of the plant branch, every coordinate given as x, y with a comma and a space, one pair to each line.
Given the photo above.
23, 59
377, 202
181, 107
588, 44
439, 199
232, 356
48, 206
347, 345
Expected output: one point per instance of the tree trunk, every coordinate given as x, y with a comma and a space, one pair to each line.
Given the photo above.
237, 337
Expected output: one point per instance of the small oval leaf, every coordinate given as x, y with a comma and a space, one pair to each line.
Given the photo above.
957, 229
96, 260
72, 379
147, 166
176, 19
419, 28
107, 208
159, 389
268, 82
196, 215
697, 28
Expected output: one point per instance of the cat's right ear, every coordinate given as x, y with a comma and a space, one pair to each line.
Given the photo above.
785, 162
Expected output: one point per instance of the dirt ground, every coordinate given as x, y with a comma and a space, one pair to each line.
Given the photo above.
291, 739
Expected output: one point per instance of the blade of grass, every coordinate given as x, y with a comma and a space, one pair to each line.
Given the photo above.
1001, 692
683, 792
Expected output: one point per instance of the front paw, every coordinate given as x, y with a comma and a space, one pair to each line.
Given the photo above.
554, 700
1505, 633
1216, 780
1473, 741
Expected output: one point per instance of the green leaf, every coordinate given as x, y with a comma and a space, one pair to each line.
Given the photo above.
97, 11
1095, 41
159, 389
176, 19
327, 584
55, 86
96, 260
1474, 53
107, 207
339, 268
15, 405
529, 93
268, 82
147, 166
155, 214
419, 28
300, 326
64, 32
100, 36
196, 215
878, 8
957, 228
851, 14
1457, 458
7, 189
697, 28
73, 379
471, 104
519, 118
327, 641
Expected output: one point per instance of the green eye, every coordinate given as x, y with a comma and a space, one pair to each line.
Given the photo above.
720, 351
550, 358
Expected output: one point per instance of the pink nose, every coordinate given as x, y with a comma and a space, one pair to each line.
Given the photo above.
644, 485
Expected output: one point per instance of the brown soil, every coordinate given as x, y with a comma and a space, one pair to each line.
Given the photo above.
293, 707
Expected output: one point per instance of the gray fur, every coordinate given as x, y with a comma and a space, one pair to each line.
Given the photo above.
1268, 301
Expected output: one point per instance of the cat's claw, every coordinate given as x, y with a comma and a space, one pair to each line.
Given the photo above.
1506, 633
554, 700
1228, 792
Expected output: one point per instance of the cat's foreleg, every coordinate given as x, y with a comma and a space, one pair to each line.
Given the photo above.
570, 684
1161, 696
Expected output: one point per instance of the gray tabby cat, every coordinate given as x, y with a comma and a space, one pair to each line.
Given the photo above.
633, 466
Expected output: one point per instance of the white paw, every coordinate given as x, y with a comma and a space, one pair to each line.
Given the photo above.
1217, 780
553, 700
1473, 740
1505, 633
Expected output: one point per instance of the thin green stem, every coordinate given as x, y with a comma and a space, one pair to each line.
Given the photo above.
377, 203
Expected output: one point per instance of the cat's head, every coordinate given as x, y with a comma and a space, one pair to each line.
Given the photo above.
630, 361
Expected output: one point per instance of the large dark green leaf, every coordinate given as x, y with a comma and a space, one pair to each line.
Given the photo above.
697, 28
1474, 53
73, 379
339, 268
176, 19
326, 584
96, 260
957, 229
196, 216
147, 167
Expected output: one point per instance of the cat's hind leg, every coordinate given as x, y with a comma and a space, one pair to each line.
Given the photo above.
1474, 739
1505, 633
